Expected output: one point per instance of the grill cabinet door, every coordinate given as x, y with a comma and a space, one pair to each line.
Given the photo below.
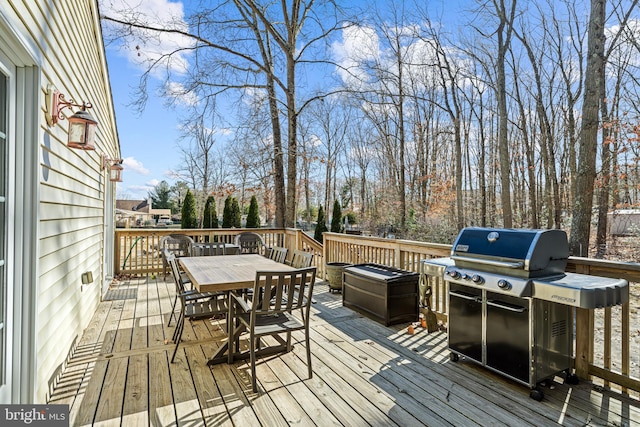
508, 341
465, 321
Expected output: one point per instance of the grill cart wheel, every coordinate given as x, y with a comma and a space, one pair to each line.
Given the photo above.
536, 394
571, 379
454, 357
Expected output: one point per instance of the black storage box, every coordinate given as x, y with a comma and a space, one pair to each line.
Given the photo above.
386, 294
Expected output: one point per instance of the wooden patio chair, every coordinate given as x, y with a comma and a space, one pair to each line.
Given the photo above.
177, 244
166, 254
301, 259
271, 311
180, 279
249, 243
231, 249
278, 254
207, 249
193, 306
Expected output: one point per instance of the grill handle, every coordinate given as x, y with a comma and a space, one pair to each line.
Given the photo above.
514, 308
466, 296
492, 263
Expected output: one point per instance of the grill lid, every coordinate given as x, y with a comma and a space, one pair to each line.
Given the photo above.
518, 252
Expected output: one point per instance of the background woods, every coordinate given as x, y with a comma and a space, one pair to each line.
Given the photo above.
518, 113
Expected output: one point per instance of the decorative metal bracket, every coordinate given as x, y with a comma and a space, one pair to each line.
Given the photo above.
55, 103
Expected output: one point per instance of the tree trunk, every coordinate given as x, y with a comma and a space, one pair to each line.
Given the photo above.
292, 129
504, 36
586, 172
278, 161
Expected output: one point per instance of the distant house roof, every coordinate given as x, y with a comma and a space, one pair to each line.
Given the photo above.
133, 205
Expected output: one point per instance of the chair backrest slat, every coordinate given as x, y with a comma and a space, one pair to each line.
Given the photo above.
279, 291
301, 259
249, 242
178, 244
207, 249
175, 272
278, 254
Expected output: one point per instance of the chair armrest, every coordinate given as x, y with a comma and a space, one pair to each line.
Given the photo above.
193, 295
243, 303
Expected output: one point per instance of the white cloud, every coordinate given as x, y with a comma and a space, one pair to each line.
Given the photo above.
143, 47
131, 164
179, 93
134, 192
139, 188
315, 141
359, 44
362, 55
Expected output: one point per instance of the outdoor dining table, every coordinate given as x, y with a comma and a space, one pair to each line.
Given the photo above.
227, 273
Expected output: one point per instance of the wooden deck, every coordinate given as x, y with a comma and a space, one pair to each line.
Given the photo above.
365, 374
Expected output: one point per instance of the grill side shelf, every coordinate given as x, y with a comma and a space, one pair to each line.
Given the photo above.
581, 290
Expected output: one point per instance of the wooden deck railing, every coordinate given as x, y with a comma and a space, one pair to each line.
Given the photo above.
607, 341
136, 250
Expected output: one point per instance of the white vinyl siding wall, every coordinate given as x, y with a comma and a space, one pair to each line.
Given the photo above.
72, 183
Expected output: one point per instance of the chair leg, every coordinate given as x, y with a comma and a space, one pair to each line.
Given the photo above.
179, 323
177, 329
232, 324
173, 310
308, 355
177, 336
254, 382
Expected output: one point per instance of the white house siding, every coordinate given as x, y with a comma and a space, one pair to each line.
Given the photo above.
72, 183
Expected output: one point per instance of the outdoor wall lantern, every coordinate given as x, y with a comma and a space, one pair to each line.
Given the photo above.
115, 168
82, 127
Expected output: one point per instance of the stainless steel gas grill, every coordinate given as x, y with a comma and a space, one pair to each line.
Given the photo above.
510, 301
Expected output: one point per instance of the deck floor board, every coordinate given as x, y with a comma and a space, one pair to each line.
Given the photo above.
364, 374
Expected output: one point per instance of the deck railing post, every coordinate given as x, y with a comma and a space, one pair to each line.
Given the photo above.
584, 335
584, 346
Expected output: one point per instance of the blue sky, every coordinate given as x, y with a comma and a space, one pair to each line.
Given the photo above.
148, 140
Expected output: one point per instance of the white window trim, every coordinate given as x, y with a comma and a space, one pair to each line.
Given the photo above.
17, 53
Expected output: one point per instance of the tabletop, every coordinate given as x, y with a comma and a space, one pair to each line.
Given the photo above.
227, 272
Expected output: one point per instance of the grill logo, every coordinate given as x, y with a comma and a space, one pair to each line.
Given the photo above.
563, 299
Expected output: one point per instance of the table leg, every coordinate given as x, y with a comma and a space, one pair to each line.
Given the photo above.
227, 352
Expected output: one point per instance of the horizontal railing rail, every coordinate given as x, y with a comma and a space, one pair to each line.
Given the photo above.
137, 251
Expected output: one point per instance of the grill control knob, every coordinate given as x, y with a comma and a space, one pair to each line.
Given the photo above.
478, 280
503, 284
454, 274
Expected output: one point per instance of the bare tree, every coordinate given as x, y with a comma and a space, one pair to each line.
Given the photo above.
505, 14
331, 119
594, 79
242, 45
